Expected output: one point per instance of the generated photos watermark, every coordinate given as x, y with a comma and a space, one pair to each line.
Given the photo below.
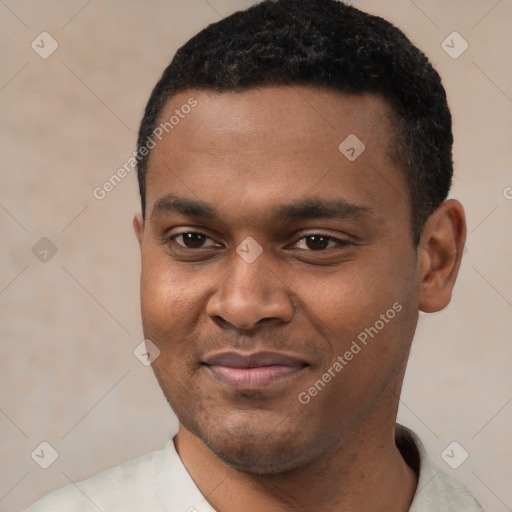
304, 397
180, 113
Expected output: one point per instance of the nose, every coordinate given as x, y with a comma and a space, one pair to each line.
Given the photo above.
250, 294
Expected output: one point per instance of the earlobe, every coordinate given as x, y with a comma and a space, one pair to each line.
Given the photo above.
138, 227
439, 255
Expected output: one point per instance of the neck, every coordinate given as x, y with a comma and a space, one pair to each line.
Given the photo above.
367, 474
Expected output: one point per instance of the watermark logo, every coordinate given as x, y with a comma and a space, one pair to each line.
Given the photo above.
454, 45
44, 45
351, 147
44, 455
44, 250
146, 352
454, 455
249, 250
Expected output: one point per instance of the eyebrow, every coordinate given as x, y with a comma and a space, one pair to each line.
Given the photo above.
321, 209
296, 210
184, 206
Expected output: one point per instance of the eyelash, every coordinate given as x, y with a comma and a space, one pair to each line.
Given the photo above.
173, 238
337, 241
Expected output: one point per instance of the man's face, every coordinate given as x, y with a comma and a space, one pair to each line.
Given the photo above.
266, 253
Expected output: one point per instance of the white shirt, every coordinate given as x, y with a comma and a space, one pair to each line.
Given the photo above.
159, 482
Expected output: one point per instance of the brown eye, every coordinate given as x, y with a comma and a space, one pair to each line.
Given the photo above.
317, 242
193, 240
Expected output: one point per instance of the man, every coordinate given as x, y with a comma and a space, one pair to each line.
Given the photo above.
294, 162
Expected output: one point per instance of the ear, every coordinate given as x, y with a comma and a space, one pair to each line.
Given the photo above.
138, 227
439, 255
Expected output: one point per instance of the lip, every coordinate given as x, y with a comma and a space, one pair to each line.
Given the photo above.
252, 371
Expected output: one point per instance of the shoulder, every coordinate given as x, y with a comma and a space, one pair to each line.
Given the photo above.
442, 493
436, 490
125, 487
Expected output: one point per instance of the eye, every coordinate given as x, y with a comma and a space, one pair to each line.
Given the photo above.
193, 240
319, 242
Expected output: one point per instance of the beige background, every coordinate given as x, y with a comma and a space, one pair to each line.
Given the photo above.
69, 326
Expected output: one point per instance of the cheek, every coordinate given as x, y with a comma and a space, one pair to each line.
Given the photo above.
365, 314
170, 299
350, 299
170, 309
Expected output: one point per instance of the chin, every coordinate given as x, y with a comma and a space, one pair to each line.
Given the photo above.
256, 445
254, 454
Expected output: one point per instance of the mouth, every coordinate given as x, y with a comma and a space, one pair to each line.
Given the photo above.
252, 371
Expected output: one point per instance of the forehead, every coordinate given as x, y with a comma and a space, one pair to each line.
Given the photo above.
316, 113
273, 143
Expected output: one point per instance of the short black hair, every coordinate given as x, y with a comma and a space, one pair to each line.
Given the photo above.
332, 45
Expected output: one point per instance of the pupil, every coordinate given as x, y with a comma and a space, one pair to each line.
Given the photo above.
193, 240
317, 243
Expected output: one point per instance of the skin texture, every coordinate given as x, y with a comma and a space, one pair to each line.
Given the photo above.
249, 155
